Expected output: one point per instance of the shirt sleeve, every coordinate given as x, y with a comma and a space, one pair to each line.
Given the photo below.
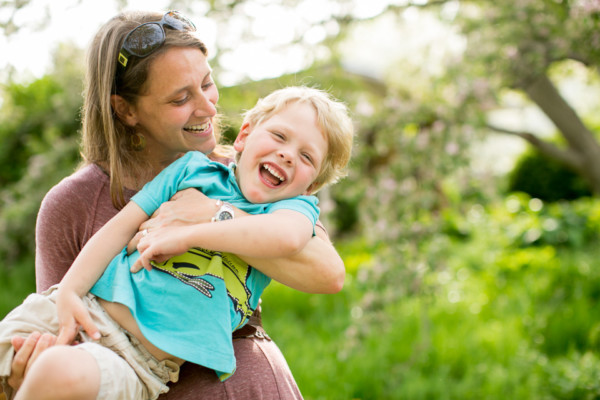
306, 205
169, 181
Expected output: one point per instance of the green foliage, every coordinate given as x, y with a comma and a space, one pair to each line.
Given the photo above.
494, 320
532, 222
15, 284
547, 179
39, 132
518, 39
20, 201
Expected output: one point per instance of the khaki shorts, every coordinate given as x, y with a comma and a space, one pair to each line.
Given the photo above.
128, 370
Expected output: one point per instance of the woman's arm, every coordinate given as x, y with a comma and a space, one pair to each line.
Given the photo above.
89, 266
317, 268
288, 232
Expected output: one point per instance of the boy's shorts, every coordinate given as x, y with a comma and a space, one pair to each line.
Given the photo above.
128, 370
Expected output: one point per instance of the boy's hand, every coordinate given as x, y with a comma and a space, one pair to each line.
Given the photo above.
72, 315
186, 207
159, 245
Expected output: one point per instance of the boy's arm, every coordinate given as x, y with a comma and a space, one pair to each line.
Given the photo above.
89, 266
318, 268
279, 234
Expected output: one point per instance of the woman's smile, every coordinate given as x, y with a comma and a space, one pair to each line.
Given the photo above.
204, 129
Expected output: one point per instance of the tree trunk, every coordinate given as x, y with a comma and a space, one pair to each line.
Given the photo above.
543, 92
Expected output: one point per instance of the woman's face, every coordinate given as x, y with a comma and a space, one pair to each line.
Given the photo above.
176, 109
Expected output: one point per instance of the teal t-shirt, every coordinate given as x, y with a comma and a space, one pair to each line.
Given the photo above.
189, 305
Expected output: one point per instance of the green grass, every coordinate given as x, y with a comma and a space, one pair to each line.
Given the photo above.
15, 284
496, 323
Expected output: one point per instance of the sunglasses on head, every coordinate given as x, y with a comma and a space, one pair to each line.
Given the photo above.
144, 39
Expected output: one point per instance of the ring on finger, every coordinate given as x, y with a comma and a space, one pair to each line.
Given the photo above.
144, 232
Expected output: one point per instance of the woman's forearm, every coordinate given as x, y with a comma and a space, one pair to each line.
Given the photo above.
318, 268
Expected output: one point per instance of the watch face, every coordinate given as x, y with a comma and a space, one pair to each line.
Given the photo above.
224, 215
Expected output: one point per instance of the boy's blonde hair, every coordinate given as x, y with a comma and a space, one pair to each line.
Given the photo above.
332, 118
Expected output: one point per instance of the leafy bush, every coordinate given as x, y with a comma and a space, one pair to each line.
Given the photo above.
535, 223
546, 179
499, 318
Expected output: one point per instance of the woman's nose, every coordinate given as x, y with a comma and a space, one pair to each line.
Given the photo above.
205, 106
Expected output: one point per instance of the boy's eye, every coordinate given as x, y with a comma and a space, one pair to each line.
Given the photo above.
278, 135
307, 157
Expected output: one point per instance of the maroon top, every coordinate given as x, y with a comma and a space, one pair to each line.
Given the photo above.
70, 214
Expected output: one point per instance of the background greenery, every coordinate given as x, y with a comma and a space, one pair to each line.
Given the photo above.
463, 281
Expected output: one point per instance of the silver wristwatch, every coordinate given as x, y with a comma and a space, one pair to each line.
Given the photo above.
224, 212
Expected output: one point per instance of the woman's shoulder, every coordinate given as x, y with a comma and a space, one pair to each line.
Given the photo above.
87, 181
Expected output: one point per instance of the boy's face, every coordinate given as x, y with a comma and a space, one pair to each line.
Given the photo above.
282, 156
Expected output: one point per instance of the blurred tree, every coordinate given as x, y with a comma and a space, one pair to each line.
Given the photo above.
38, 129
515, 44
511, 44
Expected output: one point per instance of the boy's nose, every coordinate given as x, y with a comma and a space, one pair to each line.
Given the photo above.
286, 156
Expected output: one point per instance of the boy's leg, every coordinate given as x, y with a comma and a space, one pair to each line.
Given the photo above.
62, 372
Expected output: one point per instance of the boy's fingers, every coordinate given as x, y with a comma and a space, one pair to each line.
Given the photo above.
67, 334
89, 327
136, 266
132, 245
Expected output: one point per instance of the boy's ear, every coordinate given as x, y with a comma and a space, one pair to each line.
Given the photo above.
240, 140
310, 189
123, 110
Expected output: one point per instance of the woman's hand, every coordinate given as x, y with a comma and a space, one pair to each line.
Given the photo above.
186, 207
27, 351
72, 314
161, 244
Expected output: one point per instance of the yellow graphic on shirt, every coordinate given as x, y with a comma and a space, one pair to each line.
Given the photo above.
193, 266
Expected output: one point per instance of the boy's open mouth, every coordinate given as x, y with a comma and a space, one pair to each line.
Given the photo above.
272, 175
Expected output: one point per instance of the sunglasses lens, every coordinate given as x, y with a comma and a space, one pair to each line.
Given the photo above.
144, 39
177, 21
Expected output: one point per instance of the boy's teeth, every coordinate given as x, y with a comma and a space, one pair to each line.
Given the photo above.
273, 172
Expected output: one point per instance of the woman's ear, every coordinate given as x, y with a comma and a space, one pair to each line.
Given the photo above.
124, 110
240, 140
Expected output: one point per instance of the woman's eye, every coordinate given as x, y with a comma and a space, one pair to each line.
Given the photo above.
207, 85
180, 101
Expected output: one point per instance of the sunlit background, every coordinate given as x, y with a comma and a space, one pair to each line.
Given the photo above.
468, 222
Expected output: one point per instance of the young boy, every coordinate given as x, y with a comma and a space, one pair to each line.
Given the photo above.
184, 305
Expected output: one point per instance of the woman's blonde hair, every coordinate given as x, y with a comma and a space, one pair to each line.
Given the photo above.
332, 118
105, 139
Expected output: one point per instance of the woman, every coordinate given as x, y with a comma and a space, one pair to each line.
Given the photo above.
149, 98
